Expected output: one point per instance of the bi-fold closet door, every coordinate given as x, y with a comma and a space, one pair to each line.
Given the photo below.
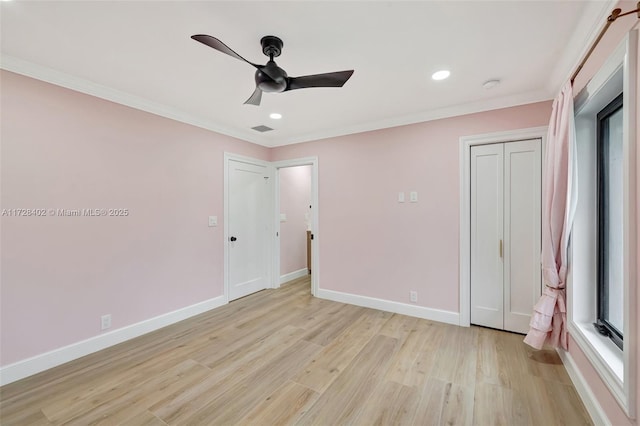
505, 233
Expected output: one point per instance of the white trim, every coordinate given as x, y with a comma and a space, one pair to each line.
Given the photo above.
466, 142
271, 278
59, 78
598, 415
293, 275
629, 220
422, 117
315, 217
30, 366
439, 315
602, 358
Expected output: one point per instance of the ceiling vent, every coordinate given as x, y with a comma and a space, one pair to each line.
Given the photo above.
262, 128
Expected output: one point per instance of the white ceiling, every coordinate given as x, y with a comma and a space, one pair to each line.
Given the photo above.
140, 53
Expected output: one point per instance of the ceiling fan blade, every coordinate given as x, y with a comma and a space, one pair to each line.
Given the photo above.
219, 46
330, 79
255, 98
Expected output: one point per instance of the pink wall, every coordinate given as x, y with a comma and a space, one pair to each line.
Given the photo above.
63, 149
610, 41
371, 245
295, 199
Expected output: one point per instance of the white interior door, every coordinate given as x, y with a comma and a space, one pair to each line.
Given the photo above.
505, 233
522, 275
486, 233
248, 191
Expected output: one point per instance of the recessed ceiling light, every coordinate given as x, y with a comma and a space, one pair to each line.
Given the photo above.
275, 116
490, 84
440, 75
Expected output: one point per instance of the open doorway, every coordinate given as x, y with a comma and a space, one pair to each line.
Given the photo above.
296, 222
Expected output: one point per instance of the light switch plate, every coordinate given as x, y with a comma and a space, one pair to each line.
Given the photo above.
413, 196
213, 220
283, 217
401, 197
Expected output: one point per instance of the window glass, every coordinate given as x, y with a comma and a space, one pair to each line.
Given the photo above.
613, 235
610, 221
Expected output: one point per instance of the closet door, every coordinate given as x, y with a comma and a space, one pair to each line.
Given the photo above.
486, 235
522, 275
505, 234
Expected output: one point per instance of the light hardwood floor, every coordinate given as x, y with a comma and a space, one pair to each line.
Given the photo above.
284, 357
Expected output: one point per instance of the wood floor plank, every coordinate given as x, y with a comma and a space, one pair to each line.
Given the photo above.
176, 407
284, 357
333, 324
457, 408
399, 327
413, 362
500, 406
145, 418
492, 367
285, 406
390, 403
102, 391
456, 359
334, 358
24, 417
347, 395
236, 402
136, 400
432, 396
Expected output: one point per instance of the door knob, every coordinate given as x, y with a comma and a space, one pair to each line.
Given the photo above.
232, 238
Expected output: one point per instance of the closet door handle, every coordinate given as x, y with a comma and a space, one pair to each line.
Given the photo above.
500, 249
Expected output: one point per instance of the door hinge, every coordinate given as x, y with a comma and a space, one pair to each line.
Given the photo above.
500, 249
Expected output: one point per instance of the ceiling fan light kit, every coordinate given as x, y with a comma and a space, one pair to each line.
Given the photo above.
270, 77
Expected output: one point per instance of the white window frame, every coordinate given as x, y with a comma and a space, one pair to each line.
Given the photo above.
617, 368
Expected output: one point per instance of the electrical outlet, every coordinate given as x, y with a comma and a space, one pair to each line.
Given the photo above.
106, 321
413, 296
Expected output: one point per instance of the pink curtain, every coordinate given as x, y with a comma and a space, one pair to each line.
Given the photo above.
548, 323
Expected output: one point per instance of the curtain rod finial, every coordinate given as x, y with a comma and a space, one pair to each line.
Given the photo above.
614, 14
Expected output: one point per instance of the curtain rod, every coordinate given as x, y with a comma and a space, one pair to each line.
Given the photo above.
615, 14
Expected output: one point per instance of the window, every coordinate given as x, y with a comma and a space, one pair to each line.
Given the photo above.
610, 221
602, 284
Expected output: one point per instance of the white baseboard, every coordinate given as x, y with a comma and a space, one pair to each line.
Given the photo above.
45, 361
598, 416
439, 315
293, 275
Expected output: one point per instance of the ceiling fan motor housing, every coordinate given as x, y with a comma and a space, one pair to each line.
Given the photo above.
273, 80
271, 46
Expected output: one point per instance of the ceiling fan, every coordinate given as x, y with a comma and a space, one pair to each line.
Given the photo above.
272, 78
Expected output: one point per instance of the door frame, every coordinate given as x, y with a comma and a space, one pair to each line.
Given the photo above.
268, 211
315, 255
466, 142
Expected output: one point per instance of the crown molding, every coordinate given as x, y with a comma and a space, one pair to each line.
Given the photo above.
59, 78
425, 116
